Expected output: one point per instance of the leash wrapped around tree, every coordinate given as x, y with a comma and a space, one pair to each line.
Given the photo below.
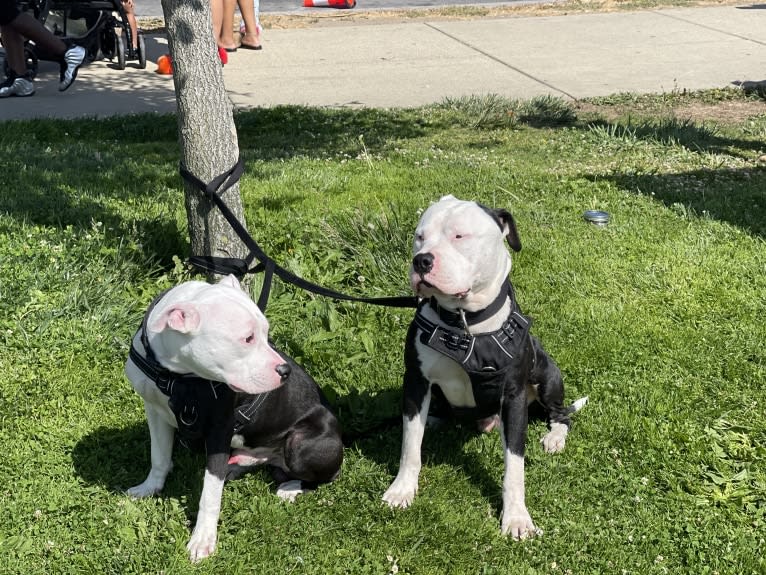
239, 267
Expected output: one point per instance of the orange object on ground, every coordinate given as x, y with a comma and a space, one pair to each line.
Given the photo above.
329, 3
164, 64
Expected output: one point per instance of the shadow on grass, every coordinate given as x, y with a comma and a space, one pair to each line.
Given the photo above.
674, 131
118, 458
372, 424
95, 170
736, 196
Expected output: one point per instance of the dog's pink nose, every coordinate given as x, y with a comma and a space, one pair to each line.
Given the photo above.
283, 370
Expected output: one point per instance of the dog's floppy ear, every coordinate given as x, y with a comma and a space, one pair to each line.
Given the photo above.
504, 219
181, 317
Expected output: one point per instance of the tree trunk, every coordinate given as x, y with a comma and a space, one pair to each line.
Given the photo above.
206, 129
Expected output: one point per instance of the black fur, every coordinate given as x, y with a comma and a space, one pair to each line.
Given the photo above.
504, 219
295, 419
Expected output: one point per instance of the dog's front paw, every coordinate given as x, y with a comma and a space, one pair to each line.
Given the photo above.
556, 438
517, 523
401, 493
202, 543
145, 489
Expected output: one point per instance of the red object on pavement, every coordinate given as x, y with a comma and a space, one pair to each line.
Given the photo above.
329, 3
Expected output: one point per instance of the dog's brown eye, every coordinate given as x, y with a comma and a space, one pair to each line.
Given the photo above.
458, 236
250, 338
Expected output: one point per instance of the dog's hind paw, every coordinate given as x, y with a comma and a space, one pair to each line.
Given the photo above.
556, 438
145, 489
289, 490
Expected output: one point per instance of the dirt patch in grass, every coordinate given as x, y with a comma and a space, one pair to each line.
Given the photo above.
697, 109
723, 112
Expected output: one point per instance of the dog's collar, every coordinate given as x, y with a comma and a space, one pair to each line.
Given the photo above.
465, 319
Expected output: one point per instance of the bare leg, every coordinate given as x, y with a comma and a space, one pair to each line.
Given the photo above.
216, 11
27, 26
130, 13
14, 49
252, 35
227, 25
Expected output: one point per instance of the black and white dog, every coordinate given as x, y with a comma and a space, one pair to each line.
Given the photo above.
203, 364
470, 345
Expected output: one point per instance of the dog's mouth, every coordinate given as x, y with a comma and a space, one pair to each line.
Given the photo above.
424, 283
236, 388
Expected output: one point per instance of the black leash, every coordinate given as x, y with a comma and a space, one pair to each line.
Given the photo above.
240, 267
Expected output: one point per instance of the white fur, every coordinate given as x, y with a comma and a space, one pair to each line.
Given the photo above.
203, 539
515, 521
555, 439
217, 332
474, 265
467, 273
289, 490
203, 329
402, 491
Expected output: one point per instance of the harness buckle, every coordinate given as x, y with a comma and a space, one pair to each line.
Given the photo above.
164, 381
188, 416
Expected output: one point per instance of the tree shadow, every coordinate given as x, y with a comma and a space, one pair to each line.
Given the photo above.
736, 196
692, 135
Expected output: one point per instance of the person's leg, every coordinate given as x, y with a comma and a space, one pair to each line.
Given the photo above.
227, 25
71, 56
18, 82
13, 42
216, 13
251, 34
130, 14
26, 25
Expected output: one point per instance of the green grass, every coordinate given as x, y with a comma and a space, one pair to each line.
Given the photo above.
658, 318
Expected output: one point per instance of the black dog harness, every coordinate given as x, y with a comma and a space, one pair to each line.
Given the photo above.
485, 357
196, 402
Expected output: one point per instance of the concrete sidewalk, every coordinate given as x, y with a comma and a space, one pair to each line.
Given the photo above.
420, 62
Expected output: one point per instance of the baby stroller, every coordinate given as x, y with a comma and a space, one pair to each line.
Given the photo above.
100, 26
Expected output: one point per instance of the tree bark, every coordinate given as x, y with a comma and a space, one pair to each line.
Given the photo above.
206, 130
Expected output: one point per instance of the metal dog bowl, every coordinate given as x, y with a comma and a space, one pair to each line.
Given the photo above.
597, 217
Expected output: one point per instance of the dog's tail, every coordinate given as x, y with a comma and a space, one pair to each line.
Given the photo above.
577, 405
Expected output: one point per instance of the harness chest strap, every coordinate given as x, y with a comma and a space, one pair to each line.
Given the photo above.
484, 352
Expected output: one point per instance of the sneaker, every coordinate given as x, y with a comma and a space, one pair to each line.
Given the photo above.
19, 86
73, 59
9, 80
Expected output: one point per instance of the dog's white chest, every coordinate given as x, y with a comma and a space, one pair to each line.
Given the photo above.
451, 378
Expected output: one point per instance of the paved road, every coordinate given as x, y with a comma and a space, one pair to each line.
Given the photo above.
153, 8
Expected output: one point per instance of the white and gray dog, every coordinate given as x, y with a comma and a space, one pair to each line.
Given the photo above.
470, 349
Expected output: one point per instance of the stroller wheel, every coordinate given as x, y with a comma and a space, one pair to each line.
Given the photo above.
119, 48
31, 61
141, 51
